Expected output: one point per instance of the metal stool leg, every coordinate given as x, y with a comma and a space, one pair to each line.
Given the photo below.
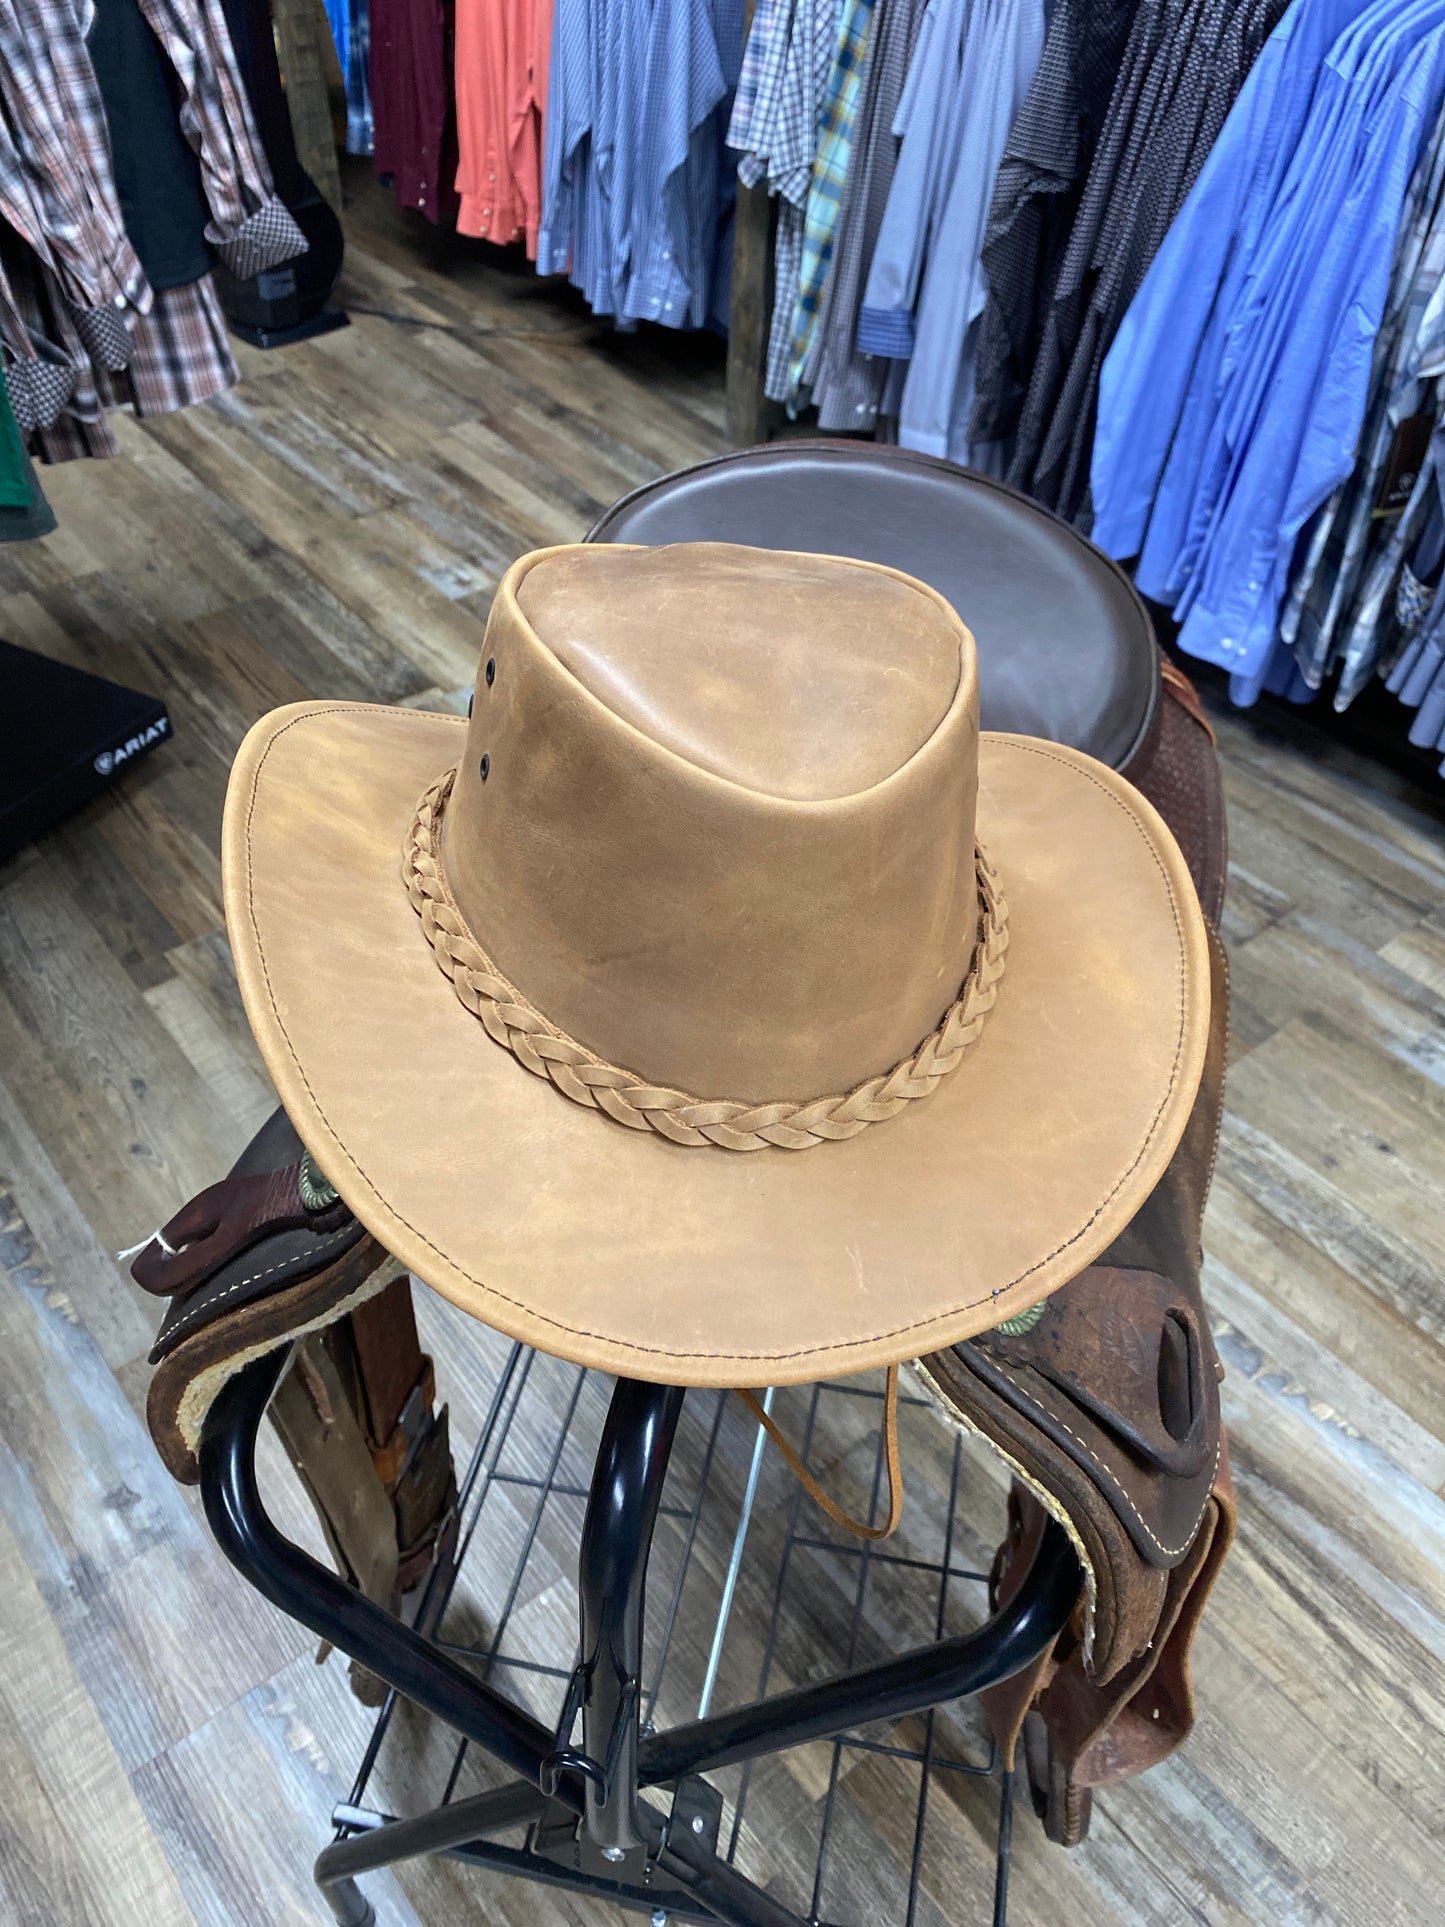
593, 1833
612, 1577
348, 1904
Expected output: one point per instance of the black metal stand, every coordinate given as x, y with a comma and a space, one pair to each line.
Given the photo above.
590, 1828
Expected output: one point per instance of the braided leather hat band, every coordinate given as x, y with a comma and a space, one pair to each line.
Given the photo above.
721, 1122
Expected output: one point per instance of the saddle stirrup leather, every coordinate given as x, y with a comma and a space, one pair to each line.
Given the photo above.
1104, 1402
270, 1254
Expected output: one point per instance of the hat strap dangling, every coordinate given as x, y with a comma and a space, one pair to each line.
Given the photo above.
810, 1484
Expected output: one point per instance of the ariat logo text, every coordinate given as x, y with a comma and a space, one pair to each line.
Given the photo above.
110, 760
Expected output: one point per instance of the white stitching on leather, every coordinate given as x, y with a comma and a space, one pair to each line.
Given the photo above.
1169, 1552
255, 1278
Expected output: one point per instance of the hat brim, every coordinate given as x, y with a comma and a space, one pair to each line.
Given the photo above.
695, 1266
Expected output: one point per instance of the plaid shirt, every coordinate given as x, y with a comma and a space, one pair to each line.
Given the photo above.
182, 352
837, 118
250, 228
786, 68
75, 307
56, 188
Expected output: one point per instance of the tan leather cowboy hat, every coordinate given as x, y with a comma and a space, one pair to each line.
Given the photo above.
684, 1032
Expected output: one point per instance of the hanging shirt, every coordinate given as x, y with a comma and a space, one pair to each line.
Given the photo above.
1307, 383
360, 121
1204, 61
848, 385
1181, 73
927, 126
1326, 581
774, 127
837, 117
1159, 381
973, 77
502, 50
411, 96
56, 186
338, 18
1046, 162
682, 190
250, 227
157, 174
939, 394
634, 193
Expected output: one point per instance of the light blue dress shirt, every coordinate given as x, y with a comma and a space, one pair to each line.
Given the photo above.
927, 124
636, 187
1302, 438
1159, 383
1278, 411
926, 287
694, 51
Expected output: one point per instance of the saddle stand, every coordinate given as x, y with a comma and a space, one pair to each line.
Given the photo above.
626, 1815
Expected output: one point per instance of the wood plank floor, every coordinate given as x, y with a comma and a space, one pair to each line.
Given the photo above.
169, 1749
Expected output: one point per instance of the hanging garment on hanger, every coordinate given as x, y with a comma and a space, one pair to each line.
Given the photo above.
56, 189
250, 227
1040, 181
684, 186
1328, 579
1182, 72
1158, 390
338, 18
846, 384
1417, 677
182, 351
927, 126
983, 60
837, 120
502, 50
566, 140
1132, 105
413, 123
37, 373
157, 174
181, 356
187, 150
360, 116
636, 196
68, 419
597, 47
1284, 430
774, 128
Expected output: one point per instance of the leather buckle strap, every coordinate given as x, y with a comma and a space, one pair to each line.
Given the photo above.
227, 1218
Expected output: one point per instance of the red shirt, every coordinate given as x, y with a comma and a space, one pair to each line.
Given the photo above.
411, 59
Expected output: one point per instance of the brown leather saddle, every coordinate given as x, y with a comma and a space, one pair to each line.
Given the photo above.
1103, 1402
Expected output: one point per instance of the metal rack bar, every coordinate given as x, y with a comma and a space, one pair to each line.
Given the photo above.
618, 1843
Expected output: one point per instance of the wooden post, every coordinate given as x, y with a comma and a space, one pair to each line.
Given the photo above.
750, 304
300, 25
748, 316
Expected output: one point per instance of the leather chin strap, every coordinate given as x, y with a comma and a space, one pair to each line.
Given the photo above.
810, 1484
